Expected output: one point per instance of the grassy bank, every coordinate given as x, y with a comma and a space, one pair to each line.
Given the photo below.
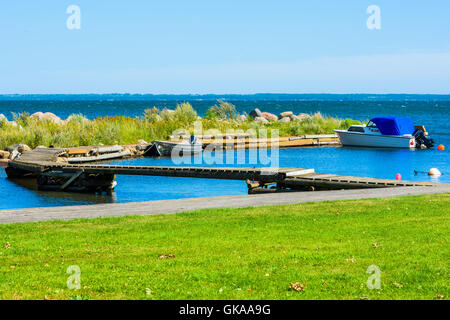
252, 253
154, 124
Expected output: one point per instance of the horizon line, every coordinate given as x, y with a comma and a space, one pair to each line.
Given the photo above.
216, 94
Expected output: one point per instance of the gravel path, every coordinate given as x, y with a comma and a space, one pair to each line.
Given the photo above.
180, 205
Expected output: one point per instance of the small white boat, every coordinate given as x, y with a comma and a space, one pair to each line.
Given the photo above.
385, 132
168, 148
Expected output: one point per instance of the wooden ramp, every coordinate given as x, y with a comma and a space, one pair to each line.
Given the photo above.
333, 181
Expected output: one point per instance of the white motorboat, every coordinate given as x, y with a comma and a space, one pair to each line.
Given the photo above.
385, 132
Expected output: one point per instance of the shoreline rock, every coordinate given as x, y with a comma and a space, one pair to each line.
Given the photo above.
285, 114
46, 116
255, 113
269, 116
261, 120
285, 119
37, 115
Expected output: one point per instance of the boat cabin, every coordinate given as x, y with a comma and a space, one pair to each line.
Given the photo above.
390, 126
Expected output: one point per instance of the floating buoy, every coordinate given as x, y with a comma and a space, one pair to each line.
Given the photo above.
398, 176
441, 147
434, 172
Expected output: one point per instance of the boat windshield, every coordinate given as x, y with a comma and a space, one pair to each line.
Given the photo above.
356, 129
371, 125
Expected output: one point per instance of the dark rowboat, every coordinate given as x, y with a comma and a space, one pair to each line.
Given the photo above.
167, 149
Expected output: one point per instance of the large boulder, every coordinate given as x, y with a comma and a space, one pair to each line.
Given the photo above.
242, 118
285, 114
261, 120
2, 117
52, 117
37, 115
285, 119
46, 116
269, 116
255, 113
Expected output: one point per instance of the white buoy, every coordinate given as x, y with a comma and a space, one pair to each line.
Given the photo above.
434, 172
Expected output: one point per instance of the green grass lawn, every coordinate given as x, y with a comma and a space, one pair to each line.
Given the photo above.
251, 253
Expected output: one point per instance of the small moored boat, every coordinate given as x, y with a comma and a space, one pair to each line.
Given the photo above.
168, 148
385, 132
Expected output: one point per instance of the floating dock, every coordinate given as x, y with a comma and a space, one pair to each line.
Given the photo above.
56, 175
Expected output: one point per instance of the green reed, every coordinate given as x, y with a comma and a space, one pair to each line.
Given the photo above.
154, 124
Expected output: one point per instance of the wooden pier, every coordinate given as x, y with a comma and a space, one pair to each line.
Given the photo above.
55, 174
241, 142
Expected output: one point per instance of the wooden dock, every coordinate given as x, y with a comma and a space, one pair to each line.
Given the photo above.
227, 173
56, 175
239, 143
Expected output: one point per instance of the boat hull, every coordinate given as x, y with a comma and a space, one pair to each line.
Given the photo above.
378, 141
167, 149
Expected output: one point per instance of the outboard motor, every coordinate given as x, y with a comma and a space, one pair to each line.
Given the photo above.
422, 141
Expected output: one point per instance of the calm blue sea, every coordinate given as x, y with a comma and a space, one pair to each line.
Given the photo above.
430, 111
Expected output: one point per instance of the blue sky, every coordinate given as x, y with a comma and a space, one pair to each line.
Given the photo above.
201, 46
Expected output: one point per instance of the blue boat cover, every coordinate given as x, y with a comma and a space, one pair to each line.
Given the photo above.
394, 126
